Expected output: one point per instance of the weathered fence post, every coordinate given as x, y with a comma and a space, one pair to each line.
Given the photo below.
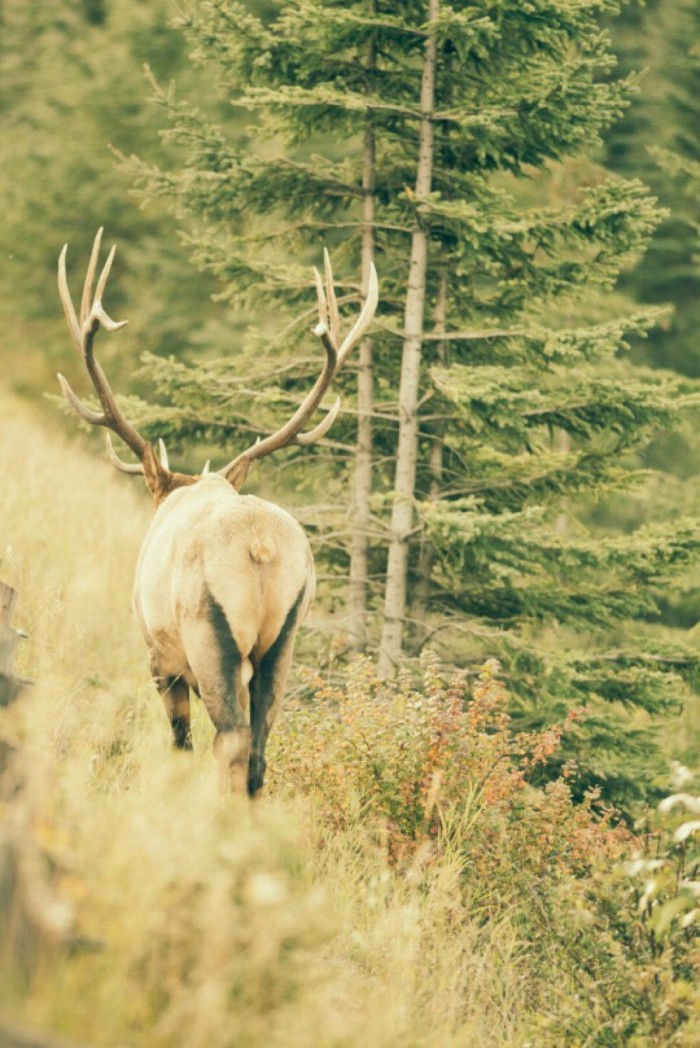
10, 686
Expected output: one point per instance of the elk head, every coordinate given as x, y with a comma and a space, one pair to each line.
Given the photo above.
223, 580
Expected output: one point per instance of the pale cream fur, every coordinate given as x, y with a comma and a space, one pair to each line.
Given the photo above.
250, 555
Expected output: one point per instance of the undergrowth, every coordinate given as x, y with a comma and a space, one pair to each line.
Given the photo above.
436, 773
406, 880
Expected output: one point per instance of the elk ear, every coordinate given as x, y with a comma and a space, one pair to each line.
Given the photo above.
238, 471
157, 477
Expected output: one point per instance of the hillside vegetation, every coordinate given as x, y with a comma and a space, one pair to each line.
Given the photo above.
403, 881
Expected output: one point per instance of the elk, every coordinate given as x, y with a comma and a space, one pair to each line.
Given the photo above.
223, 580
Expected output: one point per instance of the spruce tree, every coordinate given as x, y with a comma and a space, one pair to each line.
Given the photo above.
499, 399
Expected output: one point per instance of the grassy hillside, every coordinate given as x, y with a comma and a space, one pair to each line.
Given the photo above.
403, 882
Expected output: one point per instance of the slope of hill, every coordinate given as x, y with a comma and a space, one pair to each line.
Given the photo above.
402, 883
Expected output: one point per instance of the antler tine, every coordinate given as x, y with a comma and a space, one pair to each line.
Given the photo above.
67, 301
97, 309
365, 318
86, 299
321, 429
333, 314
95, 418
324, 320
92, 317
124, 467
97, 312
163, 452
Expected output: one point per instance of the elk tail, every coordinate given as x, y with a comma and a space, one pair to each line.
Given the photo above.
262, 551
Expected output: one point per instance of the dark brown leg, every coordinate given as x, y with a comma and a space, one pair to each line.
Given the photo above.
266, 693
222, 675
175, 694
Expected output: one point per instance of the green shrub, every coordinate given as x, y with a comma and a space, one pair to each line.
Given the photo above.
436, 766
437, 774
628, 941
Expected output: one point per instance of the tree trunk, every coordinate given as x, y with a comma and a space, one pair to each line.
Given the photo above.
419, 608
357, 625
407, 451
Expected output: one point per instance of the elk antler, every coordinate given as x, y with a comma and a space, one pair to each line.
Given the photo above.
328, 331
93, 316
83, 331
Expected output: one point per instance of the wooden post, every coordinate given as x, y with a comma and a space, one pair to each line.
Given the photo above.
10, 686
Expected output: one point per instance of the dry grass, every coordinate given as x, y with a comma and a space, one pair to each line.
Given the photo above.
198, 922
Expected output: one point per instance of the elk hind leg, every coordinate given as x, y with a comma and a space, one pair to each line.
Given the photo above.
267, 689
175, 693
223, 674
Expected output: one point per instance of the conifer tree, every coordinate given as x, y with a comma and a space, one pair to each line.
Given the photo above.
495, 400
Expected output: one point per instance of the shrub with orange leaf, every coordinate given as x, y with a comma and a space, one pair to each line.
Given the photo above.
435, 763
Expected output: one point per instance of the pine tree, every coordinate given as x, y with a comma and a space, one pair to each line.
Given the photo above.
511, 401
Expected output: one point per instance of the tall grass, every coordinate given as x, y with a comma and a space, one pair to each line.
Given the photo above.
201, 922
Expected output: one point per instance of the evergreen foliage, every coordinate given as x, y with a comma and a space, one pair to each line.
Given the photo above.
657, 139
524, 411
680, 159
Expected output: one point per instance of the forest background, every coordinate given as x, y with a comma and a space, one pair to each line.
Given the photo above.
534, 501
